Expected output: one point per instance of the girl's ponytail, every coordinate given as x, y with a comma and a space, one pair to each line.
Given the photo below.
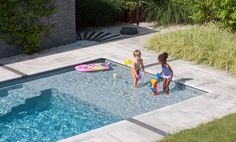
165, 55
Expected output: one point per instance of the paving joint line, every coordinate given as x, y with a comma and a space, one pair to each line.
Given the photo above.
149, 127
13, 70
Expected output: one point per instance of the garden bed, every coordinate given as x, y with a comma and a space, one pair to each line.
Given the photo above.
202, 44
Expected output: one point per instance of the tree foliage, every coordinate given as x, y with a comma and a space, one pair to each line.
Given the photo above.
227, 14
20, 22
222, 12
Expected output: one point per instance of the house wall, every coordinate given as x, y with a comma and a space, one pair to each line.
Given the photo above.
63, 32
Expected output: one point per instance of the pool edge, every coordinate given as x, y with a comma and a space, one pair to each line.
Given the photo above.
100, 59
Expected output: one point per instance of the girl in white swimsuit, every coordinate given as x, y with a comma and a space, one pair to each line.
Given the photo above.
166, 73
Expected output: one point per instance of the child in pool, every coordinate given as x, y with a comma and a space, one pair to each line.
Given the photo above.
167, 72
137, 67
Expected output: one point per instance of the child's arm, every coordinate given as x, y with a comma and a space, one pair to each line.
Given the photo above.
161, 72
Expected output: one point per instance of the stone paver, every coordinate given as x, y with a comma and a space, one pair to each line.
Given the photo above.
123, 131
219, 101
7, 75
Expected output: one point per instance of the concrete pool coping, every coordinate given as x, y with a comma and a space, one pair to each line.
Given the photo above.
220, 101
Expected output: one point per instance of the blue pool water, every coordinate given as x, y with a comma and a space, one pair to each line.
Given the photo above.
59, 104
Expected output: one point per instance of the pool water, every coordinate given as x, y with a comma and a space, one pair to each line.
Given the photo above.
62, 103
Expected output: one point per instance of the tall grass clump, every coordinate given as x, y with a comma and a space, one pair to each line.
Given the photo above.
166, 12
201, 44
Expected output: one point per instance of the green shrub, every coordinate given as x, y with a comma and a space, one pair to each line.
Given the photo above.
166, 11
227, 14
20, 22
203, 11
97, 12
203, 45
129, 4
222, 12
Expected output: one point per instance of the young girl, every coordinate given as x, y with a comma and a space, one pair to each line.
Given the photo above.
137, 66
167, 72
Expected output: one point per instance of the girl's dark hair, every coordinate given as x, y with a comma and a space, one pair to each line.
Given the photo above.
163, 57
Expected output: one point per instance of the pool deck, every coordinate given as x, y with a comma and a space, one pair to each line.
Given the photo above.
219, 101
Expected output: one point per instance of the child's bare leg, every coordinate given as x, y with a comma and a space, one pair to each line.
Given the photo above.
135, 80
167, 86
164, 85
136, 83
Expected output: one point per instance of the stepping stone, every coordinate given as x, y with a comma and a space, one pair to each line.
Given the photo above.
96, 36
79, 37
104, 35
91, 35
113, 37
85, 35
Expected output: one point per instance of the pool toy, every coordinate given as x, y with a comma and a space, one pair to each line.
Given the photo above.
114, 75
158, 75
127, 62
92, 67
154, 87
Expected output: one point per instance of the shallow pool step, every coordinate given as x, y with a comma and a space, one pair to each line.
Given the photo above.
31, 106
4, 91
16, 97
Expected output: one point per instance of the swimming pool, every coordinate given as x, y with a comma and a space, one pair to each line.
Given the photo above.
58, 104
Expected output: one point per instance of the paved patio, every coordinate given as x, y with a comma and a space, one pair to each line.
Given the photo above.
219, 101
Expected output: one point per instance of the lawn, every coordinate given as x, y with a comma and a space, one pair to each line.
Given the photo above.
220, 130
201, 44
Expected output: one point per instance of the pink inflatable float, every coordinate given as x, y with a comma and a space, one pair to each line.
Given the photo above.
92, 67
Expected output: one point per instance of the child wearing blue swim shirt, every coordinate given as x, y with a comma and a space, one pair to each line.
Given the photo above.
166, 73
